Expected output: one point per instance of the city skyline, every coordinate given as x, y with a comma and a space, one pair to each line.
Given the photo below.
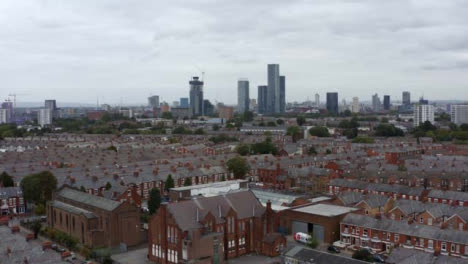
78, 52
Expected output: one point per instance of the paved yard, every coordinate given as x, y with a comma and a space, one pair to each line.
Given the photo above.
254, 259
137, 256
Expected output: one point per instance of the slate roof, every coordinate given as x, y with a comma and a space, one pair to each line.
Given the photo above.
448, 195
402, 227
312, 256
244, 203
7, 192
88, 199
72, 209
350, 197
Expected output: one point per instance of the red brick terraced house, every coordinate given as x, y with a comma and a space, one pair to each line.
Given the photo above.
381, 235
211, 229
11, 201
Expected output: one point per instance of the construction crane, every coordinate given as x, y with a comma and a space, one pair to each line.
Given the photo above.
14, 98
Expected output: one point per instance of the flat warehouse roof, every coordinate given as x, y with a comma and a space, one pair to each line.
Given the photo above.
325, 209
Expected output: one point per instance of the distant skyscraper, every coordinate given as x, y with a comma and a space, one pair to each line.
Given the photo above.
423, 101
317, 100
282, 94
208, 108
386, 102
406, 98
4, 116
153, 101
196, 97
459, 114
243, 98
355, 107
262, 99
273, 99
50, 104
423, 113
44, 116
376, 105
7, 112
184, 102
332, 103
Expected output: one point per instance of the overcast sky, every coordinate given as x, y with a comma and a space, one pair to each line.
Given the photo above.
75, 51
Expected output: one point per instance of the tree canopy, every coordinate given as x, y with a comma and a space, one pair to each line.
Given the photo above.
319, 131
6, 180
169, 183
154, 200
239, 166
38, 188
388, 130
294, 132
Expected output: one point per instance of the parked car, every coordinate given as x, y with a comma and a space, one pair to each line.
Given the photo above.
54, 246
378, 258
333, 249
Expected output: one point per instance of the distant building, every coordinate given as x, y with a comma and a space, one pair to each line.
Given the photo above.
423, 113
262, 99
153, 101
406, 98
126, 112
376, 105
355, 107
165, 107
226, 112
423, 101
243, 98
44, 117
253, 104
196, 97
459, 114
94, 221
208, 107
273, 99
180, 112
317, 100
50, 104
386, 102
106, 107
175, 104
5, 116
282, 95
95, 115
184, 102
332, 103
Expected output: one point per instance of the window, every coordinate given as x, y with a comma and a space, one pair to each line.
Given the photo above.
397, 237
393, 216
460, 226
367, 212
452, 247
365, 232
421, 242
443, 246
388, 236
430, 244
429, 221
421, 220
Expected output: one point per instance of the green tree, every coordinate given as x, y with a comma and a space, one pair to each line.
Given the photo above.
215, 127
169, 183
319, 131
188, 181
243, 149
39, 209
199, 131
154, 200
464, 127
82, 188
363, 254
36, 228
167, 115
311, 151
271, 124
38, 188
363, 139
313, 242
300, 120
280, 122
248, 116
294, 132
108, 186
388, 130
6, 180
239, 166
